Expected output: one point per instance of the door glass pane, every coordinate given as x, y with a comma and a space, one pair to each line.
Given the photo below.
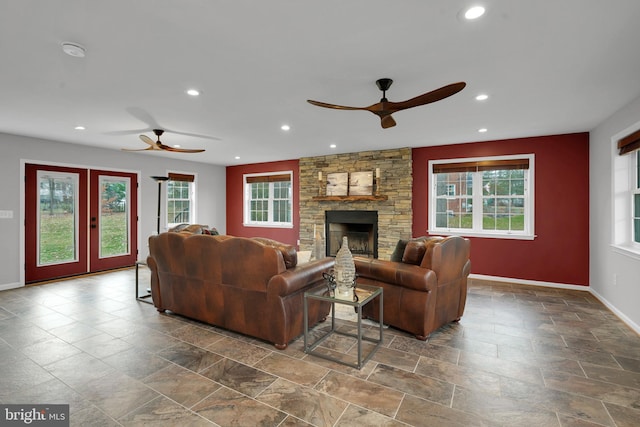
114, 216
57, 217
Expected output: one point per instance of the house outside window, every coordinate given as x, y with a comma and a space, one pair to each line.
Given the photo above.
268, 200
180, 199
486, 197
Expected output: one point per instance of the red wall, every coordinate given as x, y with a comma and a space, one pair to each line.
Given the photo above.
234, 202
560, 251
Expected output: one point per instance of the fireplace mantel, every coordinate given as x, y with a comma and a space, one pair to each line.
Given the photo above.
349, 198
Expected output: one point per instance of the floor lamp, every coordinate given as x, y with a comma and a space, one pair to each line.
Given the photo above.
159, 180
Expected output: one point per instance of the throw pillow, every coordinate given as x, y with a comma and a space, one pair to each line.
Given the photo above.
397, 254
414, 252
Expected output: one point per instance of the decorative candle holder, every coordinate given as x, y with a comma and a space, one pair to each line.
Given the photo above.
377, 189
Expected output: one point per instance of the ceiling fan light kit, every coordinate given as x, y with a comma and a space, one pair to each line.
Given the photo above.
385, 108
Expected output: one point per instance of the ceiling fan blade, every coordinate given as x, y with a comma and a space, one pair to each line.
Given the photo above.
148, 140
196, 135
387, 121
334, 106
126, 132
138, 149
427, 98
181, 150
143, 116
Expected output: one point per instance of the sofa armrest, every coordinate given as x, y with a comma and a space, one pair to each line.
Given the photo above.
396, 273
297, 278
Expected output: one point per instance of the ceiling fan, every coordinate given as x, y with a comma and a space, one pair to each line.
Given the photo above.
157, 145
385, 108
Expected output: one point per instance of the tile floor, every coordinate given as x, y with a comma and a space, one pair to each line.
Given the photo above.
521, 356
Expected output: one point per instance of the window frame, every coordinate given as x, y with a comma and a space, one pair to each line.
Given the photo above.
625, 184
190, 178
247, 194
634, 194
477, 196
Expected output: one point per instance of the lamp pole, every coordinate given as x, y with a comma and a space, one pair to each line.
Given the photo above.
159, 180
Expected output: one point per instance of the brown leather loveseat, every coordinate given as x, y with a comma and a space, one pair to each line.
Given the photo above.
425, 288
251, 286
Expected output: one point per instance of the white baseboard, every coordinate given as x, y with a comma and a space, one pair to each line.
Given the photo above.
617, 312
8, 286
529, 282
600, 298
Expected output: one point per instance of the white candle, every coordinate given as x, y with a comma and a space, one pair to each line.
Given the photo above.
320, 176
377, 172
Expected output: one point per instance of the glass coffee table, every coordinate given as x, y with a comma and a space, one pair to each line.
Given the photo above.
365, 295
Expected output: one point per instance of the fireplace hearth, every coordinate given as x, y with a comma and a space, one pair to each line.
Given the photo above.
360, 228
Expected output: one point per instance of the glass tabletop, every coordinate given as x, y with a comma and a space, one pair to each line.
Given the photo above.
365, 293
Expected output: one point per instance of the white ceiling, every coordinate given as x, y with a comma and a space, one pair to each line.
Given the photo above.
549, 67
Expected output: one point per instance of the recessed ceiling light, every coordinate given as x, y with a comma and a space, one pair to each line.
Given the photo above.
79, 128
193, 92
474, 12
74, 49
285, 127
237, 157
176, 145
482, 97
482, 130
333, 146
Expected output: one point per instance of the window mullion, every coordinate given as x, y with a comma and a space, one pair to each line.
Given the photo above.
477, 200
270, 201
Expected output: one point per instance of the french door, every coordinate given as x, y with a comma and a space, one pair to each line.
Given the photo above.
78, 221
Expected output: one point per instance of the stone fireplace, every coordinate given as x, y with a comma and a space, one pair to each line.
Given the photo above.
360, 228
393, 208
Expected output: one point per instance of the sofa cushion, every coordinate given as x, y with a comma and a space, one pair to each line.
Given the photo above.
397, 254
414, 252
289, 253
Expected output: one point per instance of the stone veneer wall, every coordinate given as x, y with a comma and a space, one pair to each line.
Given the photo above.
394, 214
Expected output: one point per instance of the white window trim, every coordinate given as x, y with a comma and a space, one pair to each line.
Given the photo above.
527, 234
193, 219
246, 200
622, 187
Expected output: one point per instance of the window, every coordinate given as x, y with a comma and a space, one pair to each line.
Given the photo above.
490, 197
636, 200
180, 199
626, 193
268, 200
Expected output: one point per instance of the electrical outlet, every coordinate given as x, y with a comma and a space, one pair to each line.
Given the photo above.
615, 279
6, 214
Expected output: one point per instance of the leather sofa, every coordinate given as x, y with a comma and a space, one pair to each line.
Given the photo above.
425, 283
251, 286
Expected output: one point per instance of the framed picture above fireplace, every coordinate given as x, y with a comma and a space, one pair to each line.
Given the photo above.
361, 183
337, 184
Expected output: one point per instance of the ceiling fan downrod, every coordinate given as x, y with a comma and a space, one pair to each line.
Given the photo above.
384, 85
